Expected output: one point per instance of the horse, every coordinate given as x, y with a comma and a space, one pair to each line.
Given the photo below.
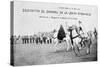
80, 40
85, 40
67, 40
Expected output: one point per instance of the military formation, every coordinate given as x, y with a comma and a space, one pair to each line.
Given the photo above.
82, 39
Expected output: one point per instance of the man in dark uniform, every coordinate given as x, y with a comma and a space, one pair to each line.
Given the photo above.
61, 34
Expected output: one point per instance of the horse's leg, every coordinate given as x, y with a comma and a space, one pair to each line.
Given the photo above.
88, 50
88, 44
68, 45
76, 50
56, 43
83, 44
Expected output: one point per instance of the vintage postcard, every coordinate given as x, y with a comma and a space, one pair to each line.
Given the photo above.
52, 33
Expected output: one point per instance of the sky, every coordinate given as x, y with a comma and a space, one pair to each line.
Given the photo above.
29, 23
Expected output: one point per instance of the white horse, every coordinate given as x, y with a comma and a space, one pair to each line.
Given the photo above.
68, 42
55, 40
86, 42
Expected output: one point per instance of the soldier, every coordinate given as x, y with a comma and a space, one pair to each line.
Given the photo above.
44, 39
80, 28
95, 33
61, 34
25, 40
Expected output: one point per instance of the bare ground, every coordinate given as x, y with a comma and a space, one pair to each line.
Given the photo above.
32, 54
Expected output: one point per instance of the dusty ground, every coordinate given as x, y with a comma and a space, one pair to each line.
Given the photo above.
32, 54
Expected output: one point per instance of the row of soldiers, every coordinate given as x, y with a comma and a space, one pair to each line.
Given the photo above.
38, 39
48, 38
